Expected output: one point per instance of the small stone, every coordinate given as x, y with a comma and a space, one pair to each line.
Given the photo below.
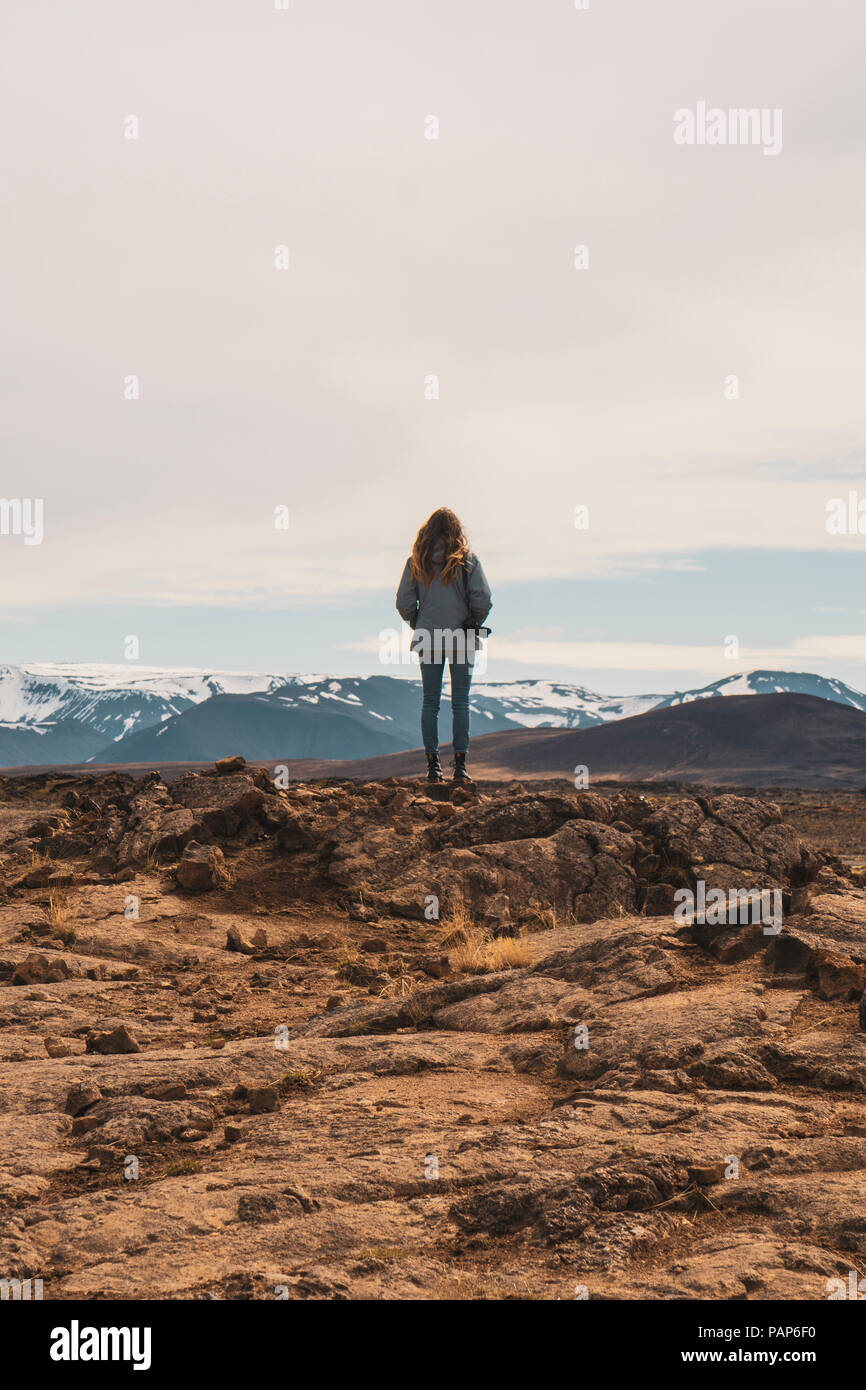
56, 1047
224, 767
839, 977
81, 1097
437, 791
236, 942
437, 967
173, 1092
83, 1124
374, 945
202, 868
258, 1206
119, 1040
233, 1134
706, 1174
263, 1099
356, 972
62, 878
39, 970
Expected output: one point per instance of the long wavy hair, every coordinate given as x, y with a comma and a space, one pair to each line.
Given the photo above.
443, 529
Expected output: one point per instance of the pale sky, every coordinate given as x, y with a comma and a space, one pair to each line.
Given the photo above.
411, 258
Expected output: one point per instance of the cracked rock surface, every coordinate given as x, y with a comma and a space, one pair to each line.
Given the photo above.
241, 1052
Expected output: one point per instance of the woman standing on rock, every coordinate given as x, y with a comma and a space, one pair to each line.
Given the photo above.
444, 597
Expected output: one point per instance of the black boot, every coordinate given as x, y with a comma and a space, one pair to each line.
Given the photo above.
434, 768
460, 774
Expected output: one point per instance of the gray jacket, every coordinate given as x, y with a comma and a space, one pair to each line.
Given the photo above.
444, 607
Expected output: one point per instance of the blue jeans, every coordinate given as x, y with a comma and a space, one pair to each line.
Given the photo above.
431, 681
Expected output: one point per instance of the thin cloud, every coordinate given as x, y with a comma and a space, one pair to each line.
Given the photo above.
663, 657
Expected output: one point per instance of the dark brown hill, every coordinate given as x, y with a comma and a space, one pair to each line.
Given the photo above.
743, 740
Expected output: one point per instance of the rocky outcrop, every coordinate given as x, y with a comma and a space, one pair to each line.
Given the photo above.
579, 854
337, 1072
505, 857
124, 823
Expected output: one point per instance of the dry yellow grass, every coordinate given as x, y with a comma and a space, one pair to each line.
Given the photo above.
300, 1079
458, 925
151, 860
547, 919
474, 953
60, 917
399, 987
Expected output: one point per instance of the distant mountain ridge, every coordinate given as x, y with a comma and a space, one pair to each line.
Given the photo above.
62, 713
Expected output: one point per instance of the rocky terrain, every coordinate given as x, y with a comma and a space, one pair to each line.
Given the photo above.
361, 1040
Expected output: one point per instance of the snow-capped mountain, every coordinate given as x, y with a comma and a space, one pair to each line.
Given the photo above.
54, 713
775, 683
116, 700
541, 704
